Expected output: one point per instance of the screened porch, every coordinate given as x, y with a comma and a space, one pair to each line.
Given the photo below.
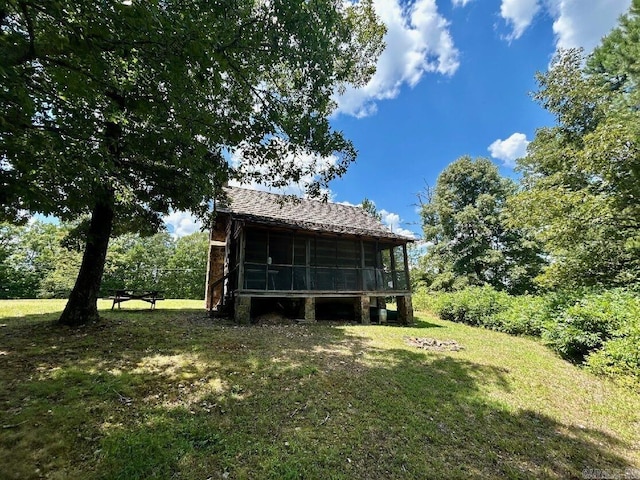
281, 261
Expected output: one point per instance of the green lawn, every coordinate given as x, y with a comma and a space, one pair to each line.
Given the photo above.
169, 394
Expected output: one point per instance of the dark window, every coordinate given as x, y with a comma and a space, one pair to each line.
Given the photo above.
256, 246
280, 249
325, 254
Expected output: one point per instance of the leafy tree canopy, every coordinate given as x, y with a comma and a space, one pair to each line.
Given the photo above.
463, 220
123, 110
581, 178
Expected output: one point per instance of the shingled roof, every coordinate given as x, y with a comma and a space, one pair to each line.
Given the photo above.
274, 209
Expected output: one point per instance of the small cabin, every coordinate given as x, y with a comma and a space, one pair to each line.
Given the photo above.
306, 258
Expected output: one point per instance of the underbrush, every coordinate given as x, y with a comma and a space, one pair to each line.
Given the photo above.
598, 328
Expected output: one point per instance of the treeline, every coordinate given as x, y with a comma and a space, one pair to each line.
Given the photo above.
557, 253
41, 260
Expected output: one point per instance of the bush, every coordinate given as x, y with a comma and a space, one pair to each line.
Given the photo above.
618, 358
586, 325
526, 315
473, 305
602, 328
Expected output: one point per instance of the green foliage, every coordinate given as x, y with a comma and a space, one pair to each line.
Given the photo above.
599, 327
177, 267
187, 267
472, 305
35, 261
126, 110
525, 315
370, 207
585, 325
581, 178
41, 260
462, 218
619, 358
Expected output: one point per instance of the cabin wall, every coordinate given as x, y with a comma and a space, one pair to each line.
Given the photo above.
261, 263
217, 259
280, 261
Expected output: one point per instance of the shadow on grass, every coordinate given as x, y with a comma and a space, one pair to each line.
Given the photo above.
171, 395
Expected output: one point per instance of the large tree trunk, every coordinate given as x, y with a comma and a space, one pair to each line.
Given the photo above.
82, 306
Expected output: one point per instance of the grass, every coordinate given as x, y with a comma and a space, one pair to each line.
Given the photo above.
168, 394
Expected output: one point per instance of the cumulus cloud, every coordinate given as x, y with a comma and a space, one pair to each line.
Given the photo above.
575, 23
417, 42
459, 3
392, 221
578, 25
180, 224
519, 15
311, 166
510, 149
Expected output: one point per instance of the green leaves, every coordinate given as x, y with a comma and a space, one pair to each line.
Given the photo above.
581, 178
178, 82
471, 245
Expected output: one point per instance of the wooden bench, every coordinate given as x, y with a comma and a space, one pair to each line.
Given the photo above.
149, 296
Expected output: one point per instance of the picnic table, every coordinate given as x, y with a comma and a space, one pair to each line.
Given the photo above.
149, 296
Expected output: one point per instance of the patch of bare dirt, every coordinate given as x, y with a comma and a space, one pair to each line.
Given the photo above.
274, 318
434, 345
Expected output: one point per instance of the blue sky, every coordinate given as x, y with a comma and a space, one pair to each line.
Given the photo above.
455, 79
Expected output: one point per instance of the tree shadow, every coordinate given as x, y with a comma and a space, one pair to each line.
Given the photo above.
171, 395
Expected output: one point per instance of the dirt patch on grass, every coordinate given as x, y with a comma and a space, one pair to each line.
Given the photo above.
433, 344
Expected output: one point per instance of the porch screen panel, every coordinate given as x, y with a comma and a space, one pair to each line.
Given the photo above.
281, 249
300, 281
385, 274
300, 251
255, 268
348, 260
400, 273
256, 246
369, 270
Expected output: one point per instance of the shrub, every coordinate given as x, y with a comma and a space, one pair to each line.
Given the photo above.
618, 358
473, 305
587, 324
526, 315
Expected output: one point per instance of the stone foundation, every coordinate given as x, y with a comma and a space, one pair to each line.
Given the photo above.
242, 311
405, 309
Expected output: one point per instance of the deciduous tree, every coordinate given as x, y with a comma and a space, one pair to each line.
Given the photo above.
118, 111
469, 243
581, 177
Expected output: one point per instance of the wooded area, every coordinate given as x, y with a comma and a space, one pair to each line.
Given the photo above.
39, 260
116, 113
564, 239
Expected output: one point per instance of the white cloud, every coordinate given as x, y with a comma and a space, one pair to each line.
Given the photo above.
519, 15
576, 23
311, 166
510, 149
180, 224
417, 42
392, 221
460, 3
